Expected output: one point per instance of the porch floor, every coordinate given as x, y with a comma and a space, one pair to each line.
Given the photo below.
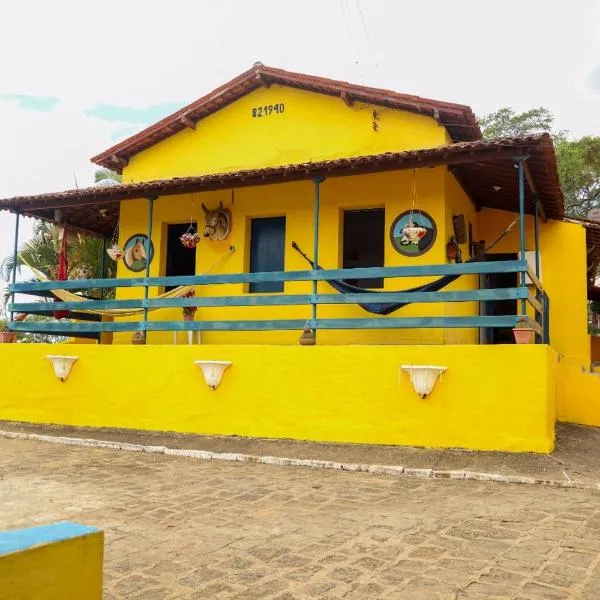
576, 457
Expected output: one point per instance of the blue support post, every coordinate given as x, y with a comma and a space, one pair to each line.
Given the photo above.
151, 200
15, 259
318, 182
102, 259
539, 317
521, 166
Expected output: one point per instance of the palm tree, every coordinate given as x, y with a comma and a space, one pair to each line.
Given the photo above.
42, 251
105, 176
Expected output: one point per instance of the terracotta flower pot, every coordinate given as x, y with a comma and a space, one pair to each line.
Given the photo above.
138, 338
7, 337
307, 338
523, 335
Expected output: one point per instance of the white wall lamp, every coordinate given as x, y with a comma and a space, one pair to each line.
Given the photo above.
213, 371
423, 377
62, 365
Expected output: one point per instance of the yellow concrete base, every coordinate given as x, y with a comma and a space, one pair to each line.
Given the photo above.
491, 397
578, 392
52, 562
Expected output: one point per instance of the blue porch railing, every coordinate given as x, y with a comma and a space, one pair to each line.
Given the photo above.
537, 300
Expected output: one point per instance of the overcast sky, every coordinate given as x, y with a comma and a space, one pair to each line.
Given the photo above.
76, 77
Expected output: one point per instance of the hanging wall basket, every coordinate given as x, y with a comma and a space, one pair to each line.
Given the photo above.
190, 239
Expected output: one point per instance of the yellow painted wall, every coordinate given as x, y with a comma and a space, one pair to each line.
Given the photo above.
324, 393
69, 569
564, 277
312, 127
457, 203
390, 191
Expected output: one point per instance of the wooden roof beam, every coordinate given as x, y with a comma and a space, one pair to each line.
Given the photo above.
119, 160
185, 120
262, 80
346, 98
534, 191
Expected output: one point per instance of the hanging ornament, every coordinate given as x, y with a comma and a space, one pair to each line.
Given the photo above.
191, 238
114, 251
413, 232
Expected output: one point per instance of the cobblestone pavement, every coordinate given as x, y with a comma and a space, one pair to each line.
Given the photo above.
189, 529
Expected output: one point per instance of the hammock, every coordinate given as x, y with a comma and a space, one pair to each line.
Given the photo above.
380, 308
67, 296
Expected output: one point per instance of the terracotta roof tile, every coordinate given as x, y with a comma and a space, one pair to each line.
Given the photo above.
478, 165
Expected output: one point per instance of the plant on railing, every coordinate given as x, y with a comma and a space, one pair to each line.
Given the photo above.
308, 337
6, 335
189, 311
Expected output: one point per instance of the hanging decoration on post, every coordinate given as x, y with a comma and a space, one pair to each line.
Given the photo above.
114, 251
217, 223
137, 252
62, 273
191, 238
413, 232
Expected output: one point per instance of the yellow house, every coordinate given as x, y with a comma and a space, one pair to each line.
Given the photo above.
379, 229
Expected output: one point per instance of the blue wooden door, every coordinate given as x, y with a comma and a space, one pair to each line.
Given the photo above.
267, 251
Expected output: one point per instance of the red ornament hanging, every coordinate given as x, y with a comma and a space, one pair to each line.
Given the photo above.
63, 270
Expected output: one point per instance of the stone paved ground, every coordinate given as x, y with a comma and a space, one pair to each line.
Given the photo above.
189, 529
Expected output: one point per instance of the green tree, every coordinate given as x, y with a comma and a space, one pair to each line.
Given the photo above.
579, 170
578, 160
505, 122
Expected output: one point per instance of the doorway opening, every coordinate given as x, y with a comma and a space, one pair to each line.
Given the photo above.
180, 260
363, 243
498, 335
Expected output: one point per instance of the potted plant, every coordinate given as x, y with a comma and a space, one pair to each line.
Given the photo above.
189, 311
6, 336
138, 338
523, 332
308, 337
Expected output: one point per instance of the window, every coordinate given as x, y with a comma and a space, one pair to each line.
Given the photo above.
180, 260
364, 234
267, 250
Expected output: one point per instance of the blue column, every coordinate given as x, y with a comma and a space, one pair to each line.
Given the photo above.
15, 259
102, 259
539, 317
537, 237
521, 166
318, 182
151, 200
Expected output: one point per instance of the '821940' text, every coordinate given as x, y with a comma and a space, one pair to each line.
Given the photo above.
268, 110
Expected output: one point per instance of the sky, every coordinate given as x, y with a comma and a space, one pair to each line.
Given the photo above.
77, 77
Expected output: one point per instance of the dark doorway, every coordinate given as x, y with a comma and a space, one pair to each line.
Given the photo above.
180, 260
267, 251
499, 335
364, 235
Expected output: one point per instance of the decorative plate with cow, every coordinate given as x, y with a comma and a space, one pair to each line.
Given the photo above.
136, 251
413, 233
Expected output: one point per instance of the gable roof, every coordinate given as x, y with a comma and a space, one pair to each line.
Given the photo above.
457, 118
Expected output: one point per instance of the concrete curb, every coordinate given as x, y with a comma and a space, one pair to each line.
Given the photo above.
395, 470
